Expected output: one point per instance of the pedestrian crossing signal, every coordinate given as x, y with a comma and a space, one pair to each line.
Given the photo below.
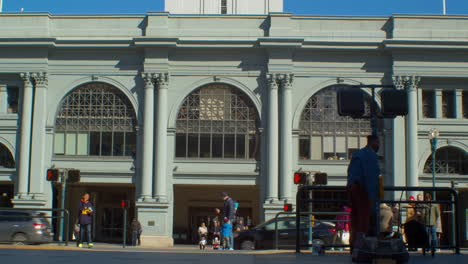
52, 175
300, 178
288, 207
73, 176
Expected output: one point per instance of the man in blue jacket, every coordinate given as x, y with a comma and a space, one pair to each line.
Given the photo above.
85, 219
363, 173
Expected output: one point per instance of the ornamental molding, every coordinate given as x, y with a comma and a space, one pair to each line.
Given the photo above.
41, 79
150, 79
286, 80
162, 80
406, 82
26, 77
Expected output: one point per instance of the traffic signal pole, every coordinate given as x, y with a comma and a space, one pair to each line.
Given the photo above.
62, 203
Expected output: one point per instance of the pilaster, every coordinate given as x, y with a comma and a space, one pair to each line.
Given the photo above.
410, 83
148, 134
286, 138
25, 137
156, 224
459, 104
160, 158
3, 99
37, 178
272, 189
438, 103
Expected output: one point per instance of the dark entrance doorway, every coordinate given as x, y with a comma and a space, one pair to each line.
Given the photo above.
108, 219
194, 204
6, 193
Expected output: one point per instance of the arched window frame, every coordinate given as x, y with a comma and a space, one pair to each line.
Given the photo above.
449, 160
217, 129
6, 158
325, 135
95, 119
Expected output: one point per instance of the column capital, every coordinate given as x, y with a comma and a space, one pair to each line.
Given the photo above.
286, 80
41, 79
272, 79
26, 77
149, 78
406, 82
3, 87
163, 80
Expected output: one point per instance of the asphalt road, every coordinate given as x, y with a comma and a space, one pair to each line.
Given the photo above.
43, 256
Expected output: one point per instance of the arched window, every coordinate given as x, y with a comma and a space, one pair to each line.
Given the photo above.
6, 159
95, 119
217, 121
448, 160
325, 135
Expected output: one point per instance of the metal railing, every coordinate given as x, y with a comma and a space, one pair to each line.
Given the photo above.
18, 217
454, 201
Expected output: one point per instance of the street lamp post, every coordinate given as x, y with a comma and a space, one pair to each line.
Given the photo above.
433, 137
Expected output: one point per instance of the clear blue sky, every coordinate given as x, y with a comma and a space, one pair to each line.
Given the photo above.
308, 7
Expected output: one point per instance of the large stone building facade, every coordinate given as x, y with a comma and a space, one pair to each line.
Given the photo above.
167, 111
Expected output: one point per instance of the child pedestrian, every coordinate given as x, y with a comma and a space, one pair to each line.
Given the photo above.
226, 232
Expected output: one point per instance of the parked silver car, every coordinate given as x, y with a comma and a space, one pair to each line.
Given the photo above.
24, 227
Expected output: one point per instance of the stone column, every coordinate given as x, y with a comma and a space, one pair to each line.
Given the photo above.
3, 99
272, 187
148, 133
39, 135
459, 104
286, 139
25, 136
160, 156
412, 169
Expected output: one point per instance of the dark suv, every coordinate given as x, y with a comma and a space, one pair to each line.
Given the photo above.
263, 235
24, 227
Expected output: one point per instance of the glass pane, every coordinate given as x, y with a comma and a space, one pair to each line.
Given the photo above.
106, 145
193, 145
428, 103
70, 148
12, 99
465, 104
118, 144
254, 146
94, 143
240, 146
205, 146
181, 146
82, 144
304, 148
59, 143
229, 146
448, 104
317, 148
130, 144
217, 146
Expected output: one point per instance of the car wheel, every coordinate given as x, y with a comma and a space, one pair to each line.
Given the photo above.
19, 239
247, 245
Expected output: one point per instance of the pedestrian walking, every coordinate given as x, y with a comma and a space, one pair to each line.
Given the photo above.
135, 227
342, 227
430, 215
85, 219
362, 186
386, 220
226, 231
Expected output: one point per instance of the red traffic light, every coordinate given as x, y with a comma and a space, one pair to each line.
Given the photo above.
300, 178
52, 175
288, 207
125, 204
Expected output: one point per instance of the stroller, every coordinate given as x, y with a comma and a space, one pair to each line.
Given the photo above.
216, 242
